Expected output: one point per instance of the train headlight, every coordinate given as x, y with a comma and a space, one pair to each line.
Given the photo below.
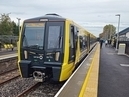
57, 55
25, 54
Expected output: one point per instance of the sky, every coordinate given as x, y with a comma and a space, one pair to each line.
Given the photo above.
93, 15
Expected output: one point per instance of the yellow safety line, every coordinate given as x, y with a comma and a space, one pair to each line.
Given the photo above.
87, 77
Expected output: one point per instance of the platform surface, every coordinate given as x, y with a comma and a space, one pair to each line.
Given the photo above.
113, 74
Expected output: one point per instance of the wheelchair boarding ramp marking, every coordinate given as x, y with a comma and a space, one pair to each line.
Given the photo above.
111, 53
125, 65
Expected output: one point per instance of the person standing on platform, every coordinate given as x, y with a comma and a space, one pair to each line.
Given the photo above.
106, 43
0, 45
101, 43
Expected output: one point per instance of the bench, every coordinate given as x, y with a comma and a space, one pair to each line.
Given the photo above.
8, 46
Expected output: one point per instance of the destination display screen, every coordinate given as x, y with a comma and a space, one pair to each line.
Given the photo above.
35, 24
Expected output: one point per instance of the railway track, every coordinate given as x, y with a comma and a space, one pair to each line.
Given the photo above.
8, 64
3, 73
27, 91
8, 76
41, 90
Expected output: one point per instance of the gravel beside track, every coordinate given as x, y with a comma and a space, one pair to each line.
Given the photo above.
45, 90
8, 64
15, 87
6, 77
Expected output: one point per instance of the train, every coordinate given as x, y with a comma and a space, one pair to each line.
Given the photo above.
51, 46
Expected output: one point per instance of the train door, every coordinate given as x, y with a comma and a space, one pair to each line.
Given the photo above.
72, 44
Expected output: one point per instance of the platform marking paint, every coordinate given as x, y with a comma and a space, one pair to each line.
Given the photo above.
111, 53
126, 65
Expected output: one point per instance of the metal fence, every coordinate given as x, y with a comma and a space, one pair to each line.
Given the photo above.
8, 39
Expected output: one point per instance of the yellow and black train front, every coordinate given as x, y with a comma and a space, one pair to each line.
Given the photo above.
44, 49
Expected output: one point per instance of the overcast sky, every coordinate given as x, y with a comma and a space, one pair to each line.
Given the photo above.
93, 15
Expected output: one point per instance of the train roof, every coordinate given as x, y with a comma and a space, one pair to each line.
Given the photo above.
54, 17
47, 17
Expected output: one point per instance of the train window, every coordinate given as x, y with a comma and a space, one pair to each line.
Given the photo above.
83, 42
71, 44
71, 37
33, 35
54, 37
76, 31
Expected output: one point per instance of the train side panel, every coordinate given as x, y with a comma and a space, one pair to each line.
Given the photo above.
67, 67
80, 49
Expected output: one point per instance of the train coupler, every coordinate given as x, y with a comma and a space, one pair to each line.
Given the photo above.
39, 76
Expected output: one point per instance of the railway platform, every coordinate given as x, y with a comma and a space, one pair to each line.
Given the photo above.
4, 51
113, 74
106, 76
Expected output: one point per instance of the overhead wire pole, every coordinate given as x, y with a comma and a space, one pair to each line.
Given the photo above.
118, 30
18, 24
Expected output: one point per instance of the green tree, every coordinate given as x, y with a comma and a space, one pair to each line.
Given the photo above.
109, 31
15, 28
5, 25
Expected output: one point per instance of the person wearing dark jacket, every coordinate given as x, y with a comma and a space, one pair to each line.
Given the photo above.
101, 43
0, 45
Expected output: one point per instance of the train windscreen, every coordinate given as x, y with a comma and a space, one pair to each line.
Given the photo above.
34, 35
54, 37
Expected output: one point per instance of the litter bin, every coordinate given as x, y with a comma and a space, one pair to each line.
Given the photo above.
121, 49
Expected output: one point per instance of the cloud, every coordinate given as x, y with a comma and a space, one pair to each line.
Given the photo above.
91, 14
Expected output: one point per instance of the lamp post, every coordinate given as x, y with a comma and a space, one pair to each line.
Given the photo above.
118, 30
18, 24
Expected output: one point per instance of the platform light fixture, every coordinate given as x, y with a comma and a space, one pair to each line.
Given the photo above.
118, 30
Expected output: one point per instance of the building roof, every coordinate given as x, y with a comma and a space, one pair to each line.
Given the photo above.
124, 31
